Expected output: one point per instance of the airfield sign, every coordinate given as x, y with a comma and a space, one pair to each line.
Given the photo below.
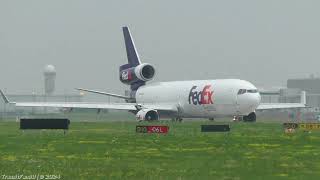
152, 129
309, 126
303, 126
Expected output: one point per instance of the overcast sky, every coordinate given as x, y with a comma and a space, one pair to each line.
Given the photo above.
265, 42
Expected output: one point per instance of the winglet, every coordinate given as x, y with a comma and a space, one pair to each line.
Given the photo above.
6, 100
303, 98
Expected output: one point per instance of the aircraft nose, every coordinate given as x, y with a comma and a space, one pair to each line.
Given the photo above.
254, 101
257, 99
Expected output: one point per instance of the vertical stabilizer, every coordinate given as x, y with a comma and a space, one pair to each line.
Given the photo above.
134, 73
132, 54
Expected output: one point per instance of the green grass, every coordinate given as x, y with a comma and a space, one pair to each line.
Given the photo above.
112, 150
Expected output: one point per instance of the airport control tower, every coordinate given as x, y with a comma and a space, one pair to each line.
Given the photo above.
49, 79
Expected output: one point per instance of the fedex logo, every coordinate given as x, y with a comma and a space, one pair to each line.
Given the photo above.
201, 97
126, 75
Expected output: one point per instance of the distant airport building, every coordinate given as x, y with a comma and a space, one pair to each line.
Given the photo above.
270, 96
310, 85
292, 94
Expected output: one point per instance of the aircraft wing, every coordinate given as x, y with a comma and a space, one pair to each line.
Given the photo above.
85, 105
114, 106
269, 106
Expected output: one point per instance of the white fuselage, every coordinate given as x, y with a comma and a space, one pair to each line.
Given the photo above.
203, 98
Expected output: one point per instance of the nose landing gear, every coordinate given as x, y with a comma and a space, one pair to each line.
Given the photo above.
250, 118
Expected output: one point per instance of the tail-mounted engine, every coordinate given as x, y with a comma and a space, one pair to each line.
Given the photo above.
143, 72
147, 115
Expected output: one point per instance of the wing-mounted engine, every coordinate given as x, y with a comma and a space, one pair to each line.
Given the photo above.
147, 115
141, 73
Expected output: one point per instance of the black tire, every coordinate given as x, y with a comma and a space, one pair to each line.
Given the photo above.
250, 118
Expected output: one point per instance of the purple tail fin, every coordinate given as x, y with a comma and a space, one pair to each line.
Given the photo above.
132, 54
133, 58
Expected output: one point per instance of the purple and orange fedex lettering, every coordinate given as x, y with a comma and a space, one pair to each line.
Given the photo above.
203, 97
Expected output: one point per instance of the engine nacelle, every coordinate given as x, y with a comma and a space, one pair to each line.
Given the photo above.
143, 72
147, 115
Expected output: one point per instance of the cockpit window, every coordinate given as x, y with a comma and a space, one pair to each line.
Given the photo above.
252, 90
241, 91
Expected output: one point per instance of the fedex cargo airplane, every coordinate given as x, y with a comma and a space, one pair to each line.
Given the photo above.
177, 99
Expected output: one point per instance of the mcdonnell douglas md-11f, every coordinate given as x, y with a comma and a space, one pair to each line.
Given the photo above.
177, 99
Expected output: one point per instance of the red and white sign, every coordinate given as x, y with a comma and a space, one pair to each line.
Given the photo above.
152, 129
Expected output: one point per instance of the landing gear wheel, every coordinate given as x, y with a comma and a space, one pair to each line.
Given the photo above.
211, 119
250, 118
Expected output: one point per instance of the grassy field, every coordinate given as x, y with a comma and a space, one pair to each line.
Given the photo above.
112, 150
